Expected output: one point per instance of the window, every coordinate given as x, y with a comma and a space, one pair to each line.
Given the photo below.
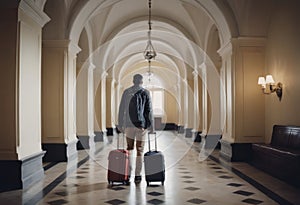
157, 97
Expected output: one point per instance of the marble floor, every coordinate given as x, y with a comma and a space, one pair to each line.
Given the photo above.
191, 178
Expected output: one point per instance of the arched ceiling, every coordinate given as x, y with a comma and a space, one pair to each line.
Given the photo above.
176, 25
120, 26
169, 42
110, 16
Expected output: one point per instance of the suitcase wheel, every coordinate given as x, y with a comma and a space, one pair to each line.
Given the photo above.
126, 182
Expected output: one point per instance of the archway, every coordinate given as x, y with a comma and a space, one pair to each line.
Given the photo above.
85, 12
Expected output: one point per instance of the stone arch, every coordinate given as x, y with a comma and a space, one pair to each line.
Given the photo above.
223, 18
221, 15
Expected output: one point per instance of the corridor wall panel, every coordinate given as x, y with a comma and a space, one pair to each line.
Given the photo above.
52, 94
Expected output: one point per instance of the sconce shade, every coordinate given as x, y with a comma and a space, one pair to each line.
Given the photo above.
261, 81
270, 83
269, 79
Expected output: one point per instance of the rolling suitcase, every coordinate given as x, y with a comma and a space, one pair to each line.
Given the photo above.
154, 164
118, 165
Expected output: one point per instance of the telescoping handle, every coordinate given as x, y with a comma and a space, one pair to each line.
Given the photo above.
118, 140
154, 133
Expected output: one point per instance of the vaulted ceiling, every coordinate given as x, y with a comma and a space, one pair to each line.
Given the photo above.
114, 32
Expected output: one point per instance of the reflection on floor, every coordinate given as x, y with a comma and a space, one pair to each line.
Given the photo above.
190, 179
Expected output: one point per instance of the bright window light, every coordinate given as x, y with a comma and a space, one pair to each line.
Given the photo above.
157, 97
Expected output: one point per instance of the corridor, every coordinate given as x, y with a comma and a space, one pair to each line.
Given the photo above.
217, 71
191, 178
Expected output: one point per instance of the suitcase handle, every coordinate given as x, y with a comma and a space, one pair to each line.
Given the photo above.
119, 140
154, 133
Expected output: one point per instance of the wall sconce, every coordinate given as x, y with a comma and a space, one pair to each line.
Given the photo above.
268, 86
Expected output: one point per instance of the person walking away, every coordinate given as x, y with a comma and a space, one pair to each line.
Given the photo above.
135, 118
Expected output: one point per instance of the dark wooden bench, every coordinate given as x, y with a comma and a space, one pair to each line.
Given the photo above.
280, 158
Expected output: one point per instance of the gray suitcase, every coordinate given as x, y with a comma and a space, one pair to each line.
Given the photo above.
154, 164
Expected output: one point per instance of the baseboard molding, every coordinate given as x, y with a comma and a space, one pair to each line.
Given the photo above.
72, 154
83, 142
21, 174
180, 129
60, 152
212, 141
198, 137
98, 136
170, 126
188, 132
235, 152
110, 131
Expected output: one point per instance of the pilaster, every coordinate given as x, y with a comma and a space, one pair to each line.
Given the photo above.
185, 103
58, 99
243, 61
195, 100
20, 150
97, 102
85, 107
204, 118
103, 100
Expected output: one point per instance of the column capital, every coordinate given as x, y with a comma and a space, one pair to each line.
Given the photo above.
202, 66
195, 73
34, 11
226, 50
92, 67
104, 74
113, 81
73, 48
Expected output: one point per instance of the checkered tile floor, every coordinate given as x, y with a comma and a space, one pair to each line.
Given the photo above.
188, 181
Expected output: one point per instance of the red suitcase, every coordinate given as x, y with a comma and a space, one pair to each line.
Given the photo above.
118, 165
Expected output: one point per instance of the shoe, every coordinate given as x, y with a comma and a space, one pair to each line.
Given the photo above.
127, 183
137, 179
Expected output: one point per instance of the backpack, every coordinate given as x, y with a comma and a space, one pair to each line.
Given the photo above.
136, 99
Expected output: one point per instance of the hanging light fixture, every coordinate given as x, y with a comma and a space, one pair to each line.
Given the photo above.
149, 73
149, 53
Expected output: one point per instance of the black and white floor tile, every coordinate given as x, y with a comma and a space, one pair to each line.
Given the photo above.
188, 181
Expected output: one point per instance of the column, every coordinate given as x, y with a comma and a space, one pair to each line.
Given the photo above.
109, 103
185, 101
85, 107
97, 105
243, 61
91, 107
119, 87
227, 71
113, 103
20, 88
214, 131
204, 109
189, 106
59, 100
196, 117
181, 111
103, 101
